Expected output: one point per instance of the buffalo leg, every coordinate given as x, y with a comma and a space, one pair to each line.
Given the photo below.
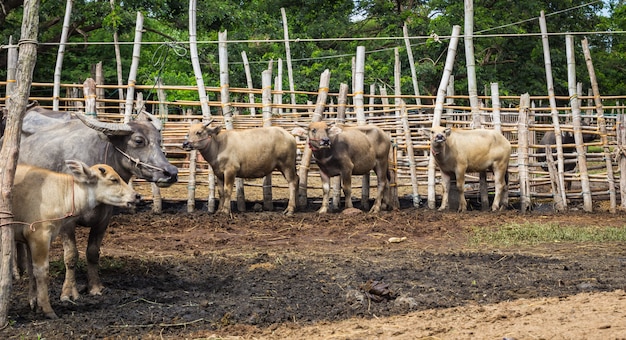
96, 234
326, 192
500, 182
293, 181
41, 265
460, 186
346, 183
229, 182
70, 257
220, 191
445, 184
382, 188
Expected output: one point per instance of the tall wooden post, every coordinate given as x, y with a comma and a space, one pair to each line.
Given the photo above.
17, 103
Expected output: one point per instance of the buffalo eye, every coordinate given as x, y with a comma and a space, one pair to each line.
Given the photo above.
314, 130
140, 141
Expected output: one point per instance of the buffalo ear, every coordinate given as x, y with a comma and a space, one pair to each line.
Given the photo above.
334, 130
447, 131
298, 131
81, 172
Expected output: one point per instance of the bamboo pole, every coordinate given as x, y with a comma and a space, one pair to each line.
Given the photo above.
410, 155
11, 68
555, 115
16, 105
342, 101
99, 106
472, 87
132, 76
246, 67
602, 127
358, 84
409, 52
441, 95
576, 121
288, 55
266, 78
278, 87
204, 102
61, 52
497, 125
227, 109
89, 92
522, 152
118, 62
306, 155
621, 145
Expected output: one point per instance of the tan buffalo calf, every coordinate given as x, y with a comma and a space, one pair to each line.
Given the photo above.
458, 152
346, 152
251, 153
47, 202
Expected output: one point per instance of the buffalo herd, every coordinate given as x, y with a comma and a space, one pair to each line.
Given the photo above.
72, 191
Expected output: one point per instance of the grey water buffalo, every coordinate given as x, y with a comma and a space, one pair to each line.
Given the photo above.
346, 152
457, 152
567, 137
46, 203
251, 153
132, 149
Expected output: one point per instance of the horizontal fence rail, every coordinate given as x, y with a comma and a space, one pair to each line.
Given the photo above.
382, 111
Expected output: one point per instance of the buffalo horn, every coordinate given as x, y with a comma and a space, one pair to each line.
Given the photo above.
208, 122
119, 129
145, 115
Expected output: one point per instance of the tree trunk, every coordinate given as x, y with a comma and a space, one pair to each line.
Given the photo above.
16, 104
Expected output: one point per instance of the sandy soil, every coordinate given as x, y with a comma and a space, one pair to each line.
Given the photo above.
262, 275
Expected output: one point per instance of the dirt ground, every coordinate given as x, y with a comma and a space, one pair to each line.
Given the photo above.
262, 275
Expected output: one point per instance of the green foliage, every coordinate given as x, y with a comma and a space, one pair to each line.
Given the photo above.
503, 53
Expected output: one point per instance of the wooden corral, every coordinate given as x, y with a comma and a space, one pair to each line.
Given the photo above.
605, 181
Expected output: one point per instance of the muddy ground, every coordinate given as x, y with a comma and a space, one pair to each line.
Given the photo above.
261, 275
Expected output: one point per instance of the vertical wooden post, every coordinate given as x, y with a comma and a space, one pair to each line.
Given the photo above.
497, 125
522, 152
89, 92
358, 84
191, 183
601, 126
118, 63
99, 90
322, 95
132, 76
204, 101
441, 95
267, 121
621, 145
11, 67
16, 105
246, 67
410, 155
342, 101
288, 55
555, 113
576, 120
409, 52
227, 110
60, 54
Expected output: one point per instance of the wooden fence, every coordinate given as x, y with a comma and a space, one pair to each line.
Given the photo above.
405, 123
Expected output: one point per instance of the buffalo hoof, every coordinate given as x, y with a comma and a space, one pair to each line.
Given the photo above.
96, 290
288, 212
51, 315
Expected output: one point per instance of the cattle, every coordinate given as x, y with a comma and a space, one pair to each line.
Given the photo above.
457, 152
131, 149
346, 152
46, 203
251, 153
567, 137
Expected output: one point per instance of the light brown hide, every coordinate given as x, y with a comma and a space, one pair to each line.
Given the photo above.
349, 151
250, 153
458, 152
46, 202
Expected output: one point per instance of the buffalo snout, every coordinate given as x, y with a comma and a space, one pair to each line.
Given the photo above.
187, 146
325, 142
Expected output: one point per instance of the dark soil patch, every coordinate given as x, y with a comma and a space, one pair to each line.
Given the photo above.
185, 275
